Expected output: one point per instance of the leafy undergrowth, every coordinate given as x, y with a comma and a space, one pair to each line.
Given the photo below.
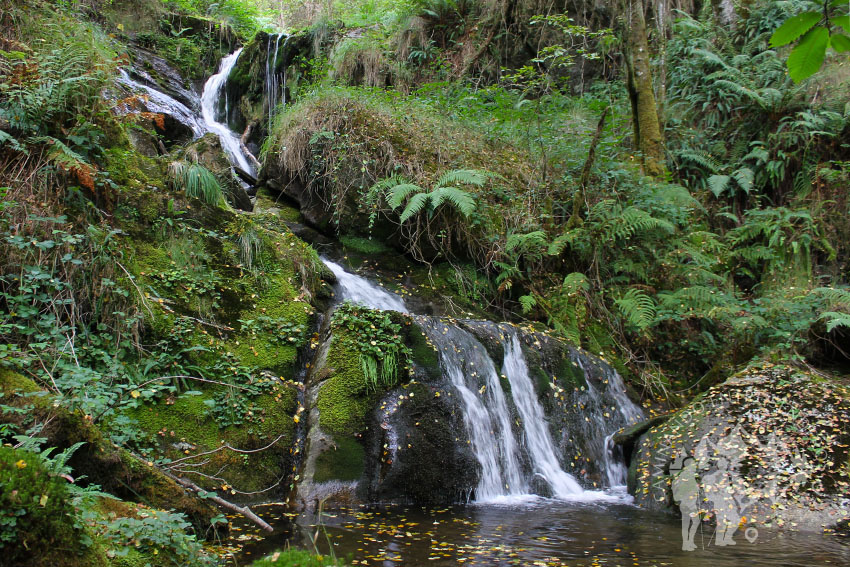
296, 558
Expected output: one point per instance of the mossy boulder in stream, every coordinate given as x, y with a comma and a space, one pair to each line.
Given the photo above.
383, 442
772, 438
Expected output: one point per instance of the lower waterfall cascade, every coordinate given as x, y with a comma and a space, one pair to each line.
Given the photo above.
504, 419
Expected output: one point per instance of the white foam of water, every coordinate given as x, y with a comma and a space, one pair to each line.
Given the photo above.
466, 363
537, 437
209, 105
360, 290
162, 103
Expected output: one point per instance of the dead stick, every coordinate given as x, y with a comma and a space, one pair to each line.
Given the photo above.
245, 511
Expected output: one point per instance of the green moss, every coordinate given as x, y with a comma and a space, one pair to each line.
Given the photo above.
297, 558
186, 420
344, 399
189, 420
260, 350
569, 374
36, 525
364, 245
423, 353
345, 461
12, 382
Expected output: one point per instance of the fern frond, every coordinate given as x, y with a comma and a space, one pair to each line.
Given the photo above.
414, 206
525, 242
575, 282
564, 241
399, 192
462, 201
835, 319
702, 159
718, 183
835, 296
637, 308
466, 176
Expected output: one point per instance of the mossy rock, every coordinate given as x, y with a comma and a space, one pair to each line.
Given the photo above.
36, 514
343, 461
115, 470
780, 434
187, 426
344, 399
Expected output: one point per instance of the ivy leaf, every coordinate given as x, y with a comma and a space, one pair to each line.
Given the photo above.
806, 58
840, 43
794, 27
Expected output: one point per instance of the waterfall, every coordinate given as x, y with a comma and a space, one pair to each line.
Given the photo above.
538, 440
162, 103
209, 108
515, 446
467, 364
360, 290
272, 86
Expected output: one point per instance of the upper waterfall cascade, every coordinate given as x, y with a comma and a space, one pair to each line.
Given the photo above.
210, 105
210, 98
275, 86
162, 103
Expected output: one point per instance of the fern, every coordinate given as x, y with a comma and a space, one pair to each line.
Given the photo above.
638, 308
462, 201
196, 180
466, 176
414, 206
398, 190
835, 319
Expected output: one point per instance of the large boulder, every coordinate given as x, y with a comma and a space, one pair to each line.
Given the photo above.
768, 447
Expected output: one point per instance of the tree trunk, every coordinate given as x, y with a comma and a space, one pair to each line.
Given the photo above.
644, 110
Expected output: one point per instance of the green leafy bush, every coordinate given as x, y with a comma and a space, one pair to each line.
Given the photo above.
378, 340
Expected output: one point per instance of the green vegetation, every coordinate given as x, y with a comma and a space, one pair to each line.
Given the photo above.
296, 558
682, 220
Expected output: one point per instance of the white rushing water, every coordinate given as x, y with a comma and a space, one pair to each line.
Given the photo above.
209, 109
538, 440
467, 364
273, 86
360, 290
162, 103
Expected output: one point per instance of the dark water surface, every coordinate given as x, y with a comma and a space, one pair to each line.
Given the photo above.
538, 533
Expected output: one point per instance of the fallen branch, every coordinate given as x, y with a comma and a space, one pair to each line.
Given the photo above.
244, 510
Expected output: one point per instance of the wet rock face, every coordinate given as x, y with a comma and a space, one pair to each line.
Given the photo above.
583, 398
769, 445
156, 72
417, 450
246, 86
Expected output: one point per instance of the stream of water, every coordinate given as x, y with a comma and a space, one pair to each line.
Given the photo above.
542, 532
162, 103
210, 102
